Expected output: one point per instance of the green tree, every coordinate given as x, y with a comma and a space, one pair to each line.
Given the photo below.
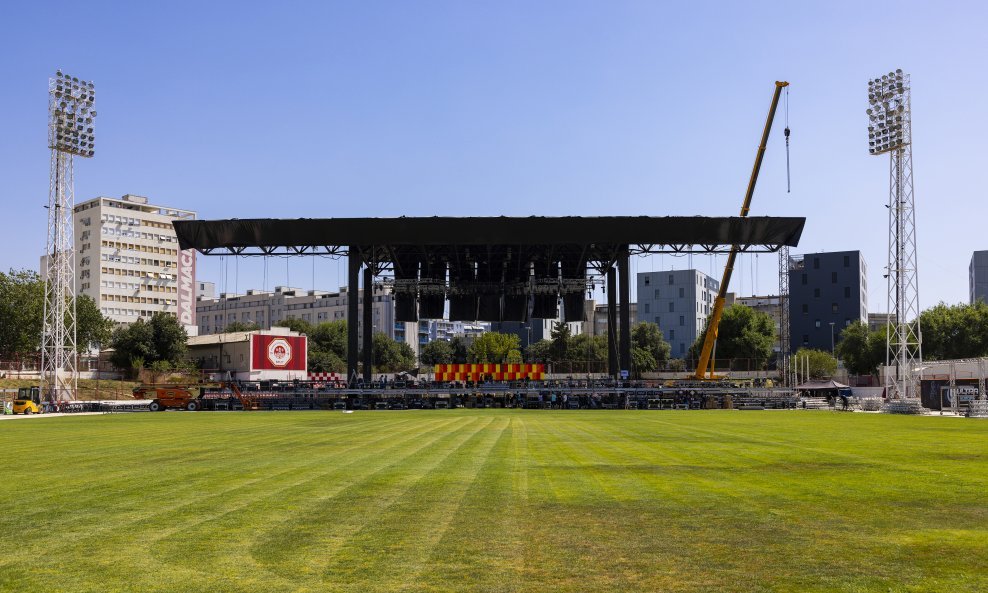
436, 352
539, 352
587, 354
297, 325
861, 350
170, 337
391, 356
93, 330
22, 299
461, 350
743, 333
560, 336
494, 347
240, 326
648, 337
955, 331
322, 361
822, 365
161, 338
329, 336
642, 361
133, 345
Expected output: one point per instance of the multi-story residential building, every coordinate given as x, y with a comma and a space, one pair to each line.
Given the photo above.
127, 259
978, 277
267, 309
596, 323
206, 290
678, 301
770, 305
827, 292
880, 320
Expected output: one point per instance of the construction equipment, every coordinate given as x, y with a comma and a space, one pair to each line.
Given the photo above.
184, 397
711, 336
28, 401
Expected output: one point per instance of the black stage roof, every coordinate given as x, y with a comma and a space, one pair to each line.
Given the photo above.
379, 238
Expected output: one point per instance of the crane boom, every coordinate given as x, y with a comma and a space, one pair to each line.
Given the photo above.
711, 337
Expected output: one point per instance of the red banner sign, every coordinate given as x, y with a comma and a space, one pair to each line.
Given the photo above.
278, 353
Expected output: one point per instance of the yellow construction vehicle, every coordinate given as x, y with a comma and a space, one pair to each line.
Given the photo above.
28, 401
711, 337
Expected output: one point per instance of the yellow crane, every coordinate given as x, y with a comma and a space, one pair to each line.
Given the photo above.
711, 338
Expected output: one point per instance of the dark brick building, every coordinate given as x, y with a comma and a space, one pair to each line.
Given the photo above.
825, 289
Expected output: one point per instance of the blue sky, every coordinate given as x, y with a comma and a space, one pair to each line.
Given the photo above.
505, 108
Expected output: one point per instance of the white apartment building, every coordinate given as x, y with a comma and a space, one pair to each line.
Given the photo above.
127, 259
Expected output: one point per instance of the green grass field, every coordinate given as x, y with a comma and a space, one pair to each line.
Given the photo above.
499, 500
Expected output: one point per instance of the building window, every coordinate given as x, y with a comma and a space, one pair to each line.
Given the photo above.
646, 280
682, 292
672, 334
671, 307
816, 323
847, 261
816, 292
645, 307
806, 340
816, 263
803, 279
656, 293
682, 320
847, 292
833, 277
670, 279
833, 307
806, 308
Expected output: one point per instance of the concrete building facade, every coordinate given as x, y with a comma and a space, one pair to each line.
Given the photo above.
770, 305
596, 323
267, 309
678, 301
978, 277
127, 258
828, 292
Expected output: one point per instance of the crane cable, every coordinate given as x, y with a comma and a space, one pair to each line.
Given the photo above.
788, 177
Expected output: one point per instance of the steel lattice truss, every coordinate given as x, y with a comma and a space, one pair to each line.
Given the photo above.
890, 131
71, 122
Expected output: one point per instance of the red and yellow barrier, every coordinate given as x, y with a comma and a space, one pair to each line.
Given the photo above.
483, 372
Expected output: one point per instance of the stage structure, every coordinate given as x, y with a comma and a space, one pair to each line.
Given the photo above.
890, 132
489, 268
71, 120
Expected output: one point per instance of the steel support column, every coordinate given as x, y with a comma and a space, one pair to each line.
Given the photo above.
353, 278
612, 357
625, 310
368, 323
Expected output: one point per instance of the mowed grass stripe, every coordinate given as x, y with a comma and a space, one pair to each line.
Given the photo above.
143, 496
481, 547
303, 544
499, 500
414, 522
84, 489
188, 510
224, 543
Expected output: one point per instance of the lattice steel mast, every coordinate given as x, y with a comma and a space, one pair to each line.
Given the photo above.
71, 119
890, 131
784, 347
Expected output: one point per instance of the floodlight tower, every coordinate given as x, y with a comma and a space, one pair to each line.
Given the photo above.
890, 131
71, 120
